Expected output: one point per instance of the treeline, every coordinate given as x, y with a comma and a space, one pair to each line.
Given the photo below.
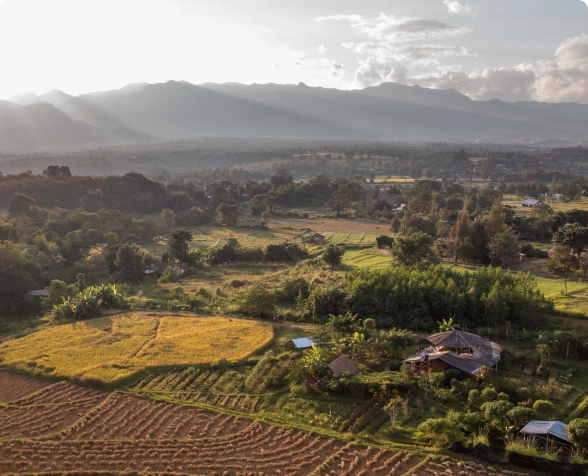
418, 299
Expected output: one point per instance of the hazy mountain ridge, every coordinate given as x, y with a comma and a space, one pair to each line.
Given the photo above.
180, 110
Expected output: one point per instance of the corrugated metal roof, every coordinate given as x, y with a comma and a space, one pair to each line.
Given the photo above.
302, 342
38, 292
343, 364
457, 340
552, 428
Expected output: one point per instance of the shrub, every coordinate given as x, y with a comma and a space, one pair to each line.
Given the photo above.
489, 394
333, 255
544, 409
169, 275
444, 395
258, 302
293, 288
578, 432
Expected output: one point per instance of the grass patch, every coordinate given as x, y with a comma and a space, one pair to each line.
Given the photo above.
109, 350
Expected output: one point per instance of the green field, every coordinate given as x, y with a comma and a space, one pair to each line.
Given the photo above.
352, 239
211, 236
109, 350
366, 258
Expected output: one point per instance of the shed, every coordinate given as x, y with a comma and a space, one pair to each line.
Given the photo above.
549, 431
249, 224
531, 202
35, 295
342, 364
302, 342
457, 340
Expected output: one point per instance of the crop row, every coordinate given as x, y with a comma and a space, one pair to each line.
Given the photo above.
61, 393
452, 468
14, 386
127, 417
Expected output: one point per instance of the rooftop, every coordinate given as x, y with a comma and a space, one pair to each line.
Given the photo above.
343, 364
556, 429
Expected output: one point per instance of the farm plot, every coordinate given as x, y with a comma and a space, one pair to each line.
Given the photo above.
111, 349
130, 434
14, 386
451, 468
47, 411
352, 239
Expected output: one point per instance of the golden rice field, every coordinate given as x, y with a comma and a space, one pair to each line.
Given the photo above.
110, 349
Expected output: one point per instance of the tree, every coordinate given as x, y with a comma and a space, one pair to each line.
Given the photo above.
392, 408
128, 262
282, 177
395, 225
258, 302
266, 216
269, 201
227, 214
504, 247
563, 264
314, 359
414, 249
495, 221
177, 249
448, 325
57, 171
578, 432
340, 199
22, 205
573, 236
333, 255
544, 408
168, 219
521, 415
58, 290
15, 280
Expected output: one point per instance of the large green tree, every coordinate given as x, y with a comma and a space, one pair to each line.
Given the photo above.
414, 249
574, 236
563, 264
177, 249
504, 248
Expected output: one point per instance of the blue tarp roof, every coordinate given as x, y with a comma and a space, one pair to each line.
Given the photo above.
552, 428
302, 342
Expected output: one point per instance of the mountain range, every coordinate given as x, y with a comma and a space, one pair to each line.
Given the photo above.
144, 113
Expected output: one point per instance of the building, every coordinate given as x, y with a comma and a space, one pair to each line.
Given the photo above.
249, 224
36, 295
315, 238
548, 432
530, 203
341, 365
302, 342
456, 350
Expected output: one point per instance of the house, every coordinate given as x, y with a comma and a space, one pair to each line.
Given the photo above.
152, 273
342, 364
36, 295
302, 342
530, 203
547, 432
456, 350
249, 224
315, 238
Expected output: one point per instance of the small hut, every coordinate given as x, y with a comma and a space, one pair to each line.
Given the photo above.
548, 432
342, 364
315, 238
303, 343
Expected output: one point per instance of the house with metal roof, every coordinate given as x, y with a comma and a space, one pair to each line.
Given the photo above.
302, 342
531, 202
548, 432
341, 365
459, 350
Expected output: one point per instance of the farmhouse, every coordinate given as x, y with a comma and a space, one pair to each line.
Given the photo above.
456, 350
530, 203
547, 432
342, 364
315, 238
249, 224
36, 295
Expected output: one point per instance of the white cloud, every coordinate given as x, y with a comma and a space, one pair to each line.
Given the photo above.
391, 44
321, 49
562, 79
458, 8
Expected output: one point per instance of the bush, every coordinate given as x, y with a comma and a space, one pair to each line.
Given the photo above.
578, 432
443, 395
544, 408
258, 302
333, 255
293, 288
169, 275
489, 394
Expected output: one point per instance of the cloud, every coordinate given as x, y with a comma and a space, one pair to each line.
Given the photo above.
321, 49
391, 28
458, 8
562, 79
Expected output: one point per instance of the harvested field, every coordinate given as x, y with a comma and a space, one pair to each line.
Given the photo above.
48, 411
14, 386
332, 225
125, 433
461, 468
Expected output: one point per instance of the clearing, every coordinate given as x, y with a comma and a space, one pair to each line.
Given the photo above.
109, 350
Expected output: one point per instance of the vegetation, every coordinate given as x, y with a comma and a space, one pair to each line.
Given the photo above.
109, 350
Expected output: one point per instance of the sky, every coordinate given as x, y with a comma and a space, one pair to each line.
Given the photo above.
487, 49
